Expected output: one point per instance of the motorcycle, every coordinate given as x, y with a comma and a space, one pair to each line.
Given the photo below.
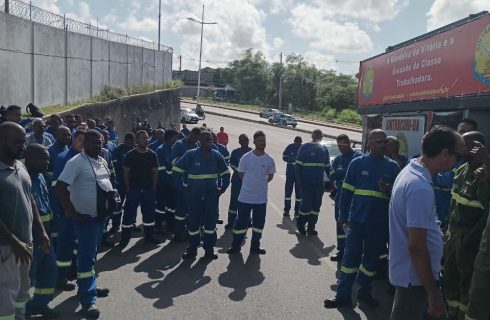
200, 112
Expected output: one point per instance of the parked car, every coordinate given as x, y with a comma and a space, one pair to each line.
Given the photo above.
267, 113
333, 151
187, 115
283, 120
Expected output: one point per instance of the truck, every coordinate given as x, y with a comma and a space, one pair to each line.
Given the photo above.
440, 77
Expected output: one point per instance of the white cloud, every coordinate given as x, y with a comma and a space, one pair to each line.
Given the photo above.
145, 24
372, 10
277, 42
443, 12
49, 5
326, 33
320, 60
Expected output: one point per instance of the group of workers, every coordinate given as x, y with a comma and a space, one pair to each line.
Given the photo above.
177, 178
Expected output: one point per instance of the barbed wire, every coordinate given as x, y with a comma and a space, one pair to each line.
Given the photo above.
27, 11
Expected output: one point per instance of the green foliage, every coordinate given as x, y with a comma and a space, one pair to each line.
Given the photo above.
111, 92
329, 113
349, 116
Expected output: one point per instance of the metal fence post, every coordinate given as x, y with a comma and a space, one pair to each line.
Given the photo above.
142, 63
127, 62
7, 6
33, 81
91, 63
154, 68
109, 63
66, 58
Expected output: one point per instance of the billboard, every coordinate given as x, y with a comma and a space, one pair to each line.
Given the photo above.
408, 130
452, 63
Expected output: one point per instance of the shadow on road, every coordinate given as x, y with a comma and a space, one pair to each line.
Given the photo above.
287, 224
163, 260
184, 279
241, 275
310, 249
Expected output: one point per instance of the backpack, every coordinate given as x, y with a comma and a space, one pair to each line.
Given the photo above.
34, 111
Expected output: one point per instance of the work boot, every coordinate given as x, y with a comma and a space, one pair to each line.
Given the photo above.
337, 303
102, 292
312, 232
233, 250
257, 251
368, 299
113, 230
152, 240
302, 230
179, 238
136, 228
189, 254
210, 255
44, 311
219, 221
64, 285
91, 312
228, 226
105, 242
123, 243
286, 213
337, 257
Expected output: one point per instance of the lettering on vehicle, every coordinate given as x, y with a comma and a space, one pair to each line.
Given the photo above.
403, 125
197, 163
365, 173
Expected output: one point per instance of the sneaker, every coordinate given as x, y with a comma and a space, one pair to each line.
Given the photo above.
91, 312
337, 303
368, 299
44, 311
219, 221
337, 257
302, 230
312, 232
102, 292
64, 285
233, 250
210, 256
189, 255
257, 251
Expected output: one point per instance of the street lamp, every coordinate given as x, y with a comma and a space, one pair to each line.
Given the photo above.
202, 23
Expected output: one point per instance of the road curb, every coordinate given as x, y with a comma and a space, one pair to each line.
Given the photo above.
268, 124
325, 124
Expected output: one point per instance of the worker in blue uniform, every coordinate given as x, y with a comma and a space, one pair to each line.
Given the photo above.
67, 240
43, 267
443, 184
363, 211
289, 156
159, 137
118, 157
63, 140
236, 182
165, 206
221, 148
207, 177
312, 161
181, 205
337, 174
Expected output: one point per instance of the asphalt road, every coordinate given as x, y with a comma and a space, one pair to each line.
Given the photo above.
289, 282
334, 132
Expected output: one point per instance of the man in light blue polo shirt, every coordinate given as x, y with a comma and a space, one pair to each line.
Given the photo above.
416, 243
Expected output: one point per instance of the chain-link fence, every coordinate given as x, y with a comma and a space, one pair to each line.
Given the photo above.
28, 11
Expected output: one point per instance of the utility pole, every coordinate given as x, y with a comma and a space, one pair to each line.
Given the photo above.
7, 6
280, 84
159, 21
180, 64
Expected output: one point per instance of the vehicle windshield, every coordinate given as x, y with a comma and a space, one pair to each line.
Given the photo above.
333, 150
186, 110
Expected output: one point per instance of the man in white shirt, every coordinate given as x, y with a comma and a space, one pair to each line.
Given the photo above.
256, 169
82, 173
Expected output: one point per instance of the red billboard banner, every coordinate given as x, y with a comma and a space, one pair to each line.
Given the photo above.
452, 63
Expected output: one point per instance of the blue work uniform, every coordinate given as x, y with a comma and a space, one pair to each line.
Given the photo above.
66, 250
165, 206
312, 162
118, 156
289, 156
54, 150
113, 136
43, 272
181, 205
365, 207
443, 184
236, 183
106, 154
337, 175
154, 145
205, 174
226, 156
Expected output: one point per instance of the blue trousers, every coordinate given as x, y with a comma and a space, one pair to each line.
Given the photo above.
341, 236
165, 205
242, 223
363, 247
311, 202
443, 203
43, 274
66, 251
233, 207
288, 192
203, 206
135, 198
89, 234
181, 210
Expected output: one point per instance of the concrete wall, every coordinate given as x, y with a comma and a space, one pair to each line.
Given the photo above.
163, 105
47, 66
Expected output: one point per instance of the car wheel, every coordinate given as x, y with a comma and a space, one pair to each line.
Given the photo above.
261, 115
294, 126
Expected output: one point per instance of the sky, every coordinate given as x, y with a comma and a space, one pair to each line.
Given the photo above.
331, 34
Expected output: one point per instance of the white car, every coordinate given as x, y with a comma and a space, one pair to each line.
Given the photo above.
267, 113
187, 115
333, 152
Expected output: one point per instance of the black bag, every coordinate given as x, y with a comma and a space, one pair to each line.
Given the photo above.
108, 202
34, 111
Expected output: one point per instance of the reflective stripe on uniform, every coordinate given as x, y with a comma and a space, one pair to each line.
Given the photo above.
193, 233
203, 176
126, 226
20, 304
11, 317
224, 173
75, 252
383, 256
47, 217
463, 307
84, 275
149, 224
54, 234
349, 187
180, 218
287, 199
239, 231
206, 231
53, 184
177, 169
371, 193
314, 213
116, 213
168, 172
44, 291
453, 303
257, 230
348, 270
314, 164
442, 189
467, 317
298, 162
298, 200
162, 168
465, 202
234, 167
232, 211
63, 264
366, 272
342, 236
301, 213
159, 211
171, 210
